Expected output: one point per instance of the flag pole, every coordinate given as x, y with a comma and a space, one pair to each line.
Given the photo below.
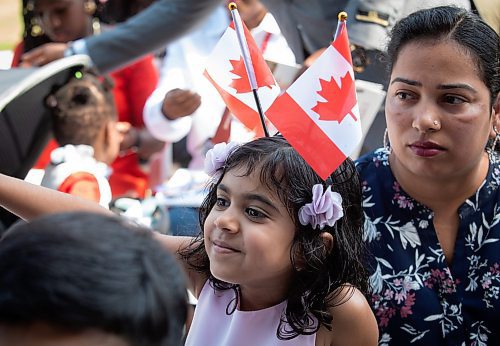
247, 60
340, 24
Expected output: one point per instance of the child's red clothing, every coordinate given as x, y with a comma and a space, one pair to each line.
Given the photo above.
74, 170
133, 85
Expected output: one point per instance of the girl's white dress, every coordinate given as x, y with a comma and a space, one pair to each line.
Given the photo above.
212, 326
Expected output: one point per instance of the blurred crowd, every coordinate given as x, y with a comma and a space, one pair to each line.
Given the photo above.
121, 128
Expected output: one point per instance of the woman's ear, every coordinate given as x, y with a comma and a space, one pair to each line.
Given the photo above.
495, 118
327, 240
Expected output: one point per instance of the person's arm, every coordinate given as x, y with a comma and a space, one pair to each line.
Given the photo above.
140, 80
29, 201
153, 28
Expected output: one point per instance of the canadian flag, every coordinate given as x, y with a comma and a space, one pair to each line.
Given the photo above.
225, 69
318, 114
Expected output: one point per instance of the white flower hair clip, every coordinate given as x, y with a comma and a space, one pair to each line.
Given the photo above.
216, 157
325, 208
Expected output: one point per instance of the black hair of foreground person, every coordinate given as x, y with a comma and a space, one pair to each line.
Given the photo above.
81, 271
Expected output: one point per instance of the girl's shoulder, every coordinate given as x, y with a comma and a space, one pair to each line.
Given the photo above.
353, 321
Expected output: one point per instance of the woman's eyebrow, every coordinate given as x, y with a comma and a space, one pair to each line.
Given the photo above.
457, 86
441, 86
406, 81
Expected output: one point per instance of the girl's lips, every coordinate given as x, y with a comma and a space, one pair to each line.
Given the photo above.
223, 247
426, 149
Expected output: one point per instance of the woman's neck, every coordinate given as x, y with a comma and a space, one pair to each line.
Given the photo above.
440, 193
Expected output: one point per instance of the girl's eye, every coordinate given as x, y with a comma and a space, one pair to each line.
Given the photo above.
254, 213
221, 202
453, 99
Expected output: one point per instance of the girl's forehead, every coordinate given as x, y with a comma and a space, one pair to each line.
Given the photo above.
242, 178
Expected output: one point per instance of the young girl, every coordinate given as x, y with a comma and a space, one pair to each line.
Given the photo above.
84, 124
279, 260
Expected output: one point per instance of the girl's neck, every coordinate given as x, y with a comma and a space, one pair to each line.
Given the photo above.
440, 193
93, 27
258, 297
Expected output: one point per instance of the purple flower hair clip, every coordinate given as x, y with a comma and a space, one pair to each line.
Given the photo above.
216, 157
325, 208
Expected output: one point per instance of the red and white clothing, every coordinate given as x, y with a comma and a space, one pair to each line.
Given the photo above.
183, 68
272, 43
133, 84
74, 167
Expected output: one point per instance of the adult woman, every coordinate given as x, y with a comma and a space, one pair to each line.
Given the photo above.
431, 199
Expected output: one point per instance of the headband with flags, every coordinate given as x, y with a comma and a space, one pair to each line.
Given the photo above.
318, 114
238, 71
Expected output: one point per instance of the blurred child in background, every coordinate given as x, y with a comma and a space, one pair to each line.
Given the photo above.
84, 124
69, 20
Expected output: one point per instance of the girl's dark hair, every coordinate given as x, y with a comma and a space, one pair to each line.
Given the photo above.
80, 108
117, 11
319, 274
451, 23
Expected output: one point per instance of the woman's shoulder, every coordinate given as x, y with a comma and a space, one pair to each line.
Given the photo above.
373, 159
353, 321
375, 171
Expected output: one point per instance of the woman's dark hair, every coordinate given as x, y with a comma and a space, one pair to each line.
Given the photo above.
451, 23
79, 271
319, 274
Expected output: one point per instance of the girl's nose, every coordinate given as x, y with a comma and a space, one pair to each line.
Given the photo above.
50, 21
227, 221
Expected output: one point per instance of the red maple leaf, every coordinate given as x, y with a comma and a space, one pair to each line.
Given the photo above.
241, 83
339, 101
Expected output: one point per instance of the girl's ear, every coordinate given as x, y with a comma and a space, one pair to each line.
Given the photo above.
112, 134
327, 240
108, 132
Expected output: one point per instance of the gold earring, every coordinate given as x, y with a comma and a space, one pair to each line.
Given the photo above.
387, 144
495, 140
492, 149
90, 7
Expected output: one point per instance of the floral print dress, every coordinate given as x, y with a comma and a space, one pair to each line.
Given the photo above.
416, 297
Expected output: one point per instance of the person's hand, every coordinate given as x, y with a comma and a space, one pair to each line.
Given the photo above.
43, 55
360, 58
180, 103
129, 135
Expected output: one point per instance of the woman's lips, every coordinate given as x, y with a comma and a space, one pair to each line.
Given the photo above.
426, 149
